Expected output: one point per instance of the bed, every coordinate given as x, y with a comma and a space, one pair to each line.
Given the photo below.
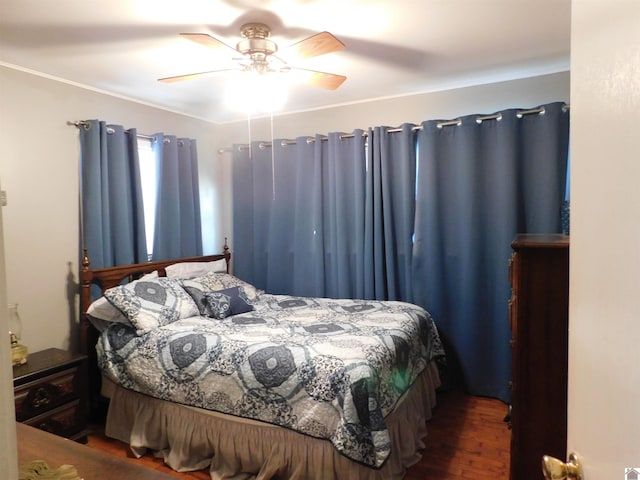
209, 372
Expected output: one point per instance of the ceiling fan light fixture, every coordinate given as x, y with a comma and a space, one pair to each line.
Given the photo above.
253, 92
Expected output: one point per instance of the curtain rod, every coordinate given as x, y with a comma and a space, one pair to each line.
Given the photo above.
444, 123
86, 125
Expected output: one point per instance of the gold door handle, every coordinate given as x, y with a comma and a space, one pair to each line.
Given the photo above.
554, 469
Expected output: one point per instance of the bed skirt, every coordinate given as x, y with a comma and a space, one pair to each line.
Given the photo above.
191, 439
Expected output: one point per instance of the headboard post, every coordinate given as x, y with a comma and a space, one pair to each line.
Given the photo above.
88, 340
85, 299
227, 253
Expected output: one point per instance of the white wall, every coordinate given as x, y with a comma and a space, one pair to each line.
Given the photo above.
39, 156
604, 308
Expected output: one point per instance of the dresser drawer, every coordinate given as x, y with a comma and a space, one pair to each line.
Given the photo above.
66, 420
46, 393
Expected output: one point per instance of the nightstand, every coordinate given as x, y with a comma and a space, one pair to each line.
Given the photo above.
50, 393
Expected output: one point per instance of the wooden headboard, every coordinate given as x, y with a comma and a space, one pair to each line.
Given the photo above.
109, 277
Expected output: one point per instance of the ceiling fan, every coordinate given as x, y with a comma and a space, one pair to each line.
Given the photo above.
259, 55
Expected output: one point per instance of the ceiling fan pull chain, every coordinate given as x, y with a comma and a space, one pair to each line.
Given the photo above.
249, 130
273, 160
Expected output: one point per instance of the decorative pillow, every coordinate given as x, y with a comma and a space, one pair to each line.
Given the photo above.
152, 303
225, 303
102, 309
189, 270
198, 288
101, 312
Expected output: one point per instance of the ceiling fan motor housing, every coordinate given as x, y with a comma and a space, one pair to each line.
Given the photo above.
255, 42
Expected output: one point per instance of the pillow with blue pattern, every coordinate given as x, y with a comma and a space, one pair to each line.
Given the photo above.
199, 287
149, 304
225, 303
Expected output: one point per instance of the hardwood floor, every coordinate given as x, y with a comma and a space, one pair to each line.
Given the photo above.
467, 440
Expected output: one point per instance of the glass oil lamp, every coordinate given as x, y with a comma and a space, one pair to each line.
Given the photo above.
19, 352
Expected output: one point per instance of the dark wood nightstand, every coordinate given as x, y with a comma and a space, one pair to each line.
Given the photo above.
51, 393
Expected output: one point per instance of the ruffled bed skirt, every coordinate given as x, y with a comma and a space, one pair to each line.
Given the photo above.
232, 448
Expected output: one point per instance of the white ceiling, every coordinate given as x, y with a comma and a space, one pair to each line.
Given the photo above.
393, 48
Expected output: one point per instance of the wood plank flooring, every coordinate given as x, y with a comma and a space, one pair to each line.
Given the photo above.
467, 440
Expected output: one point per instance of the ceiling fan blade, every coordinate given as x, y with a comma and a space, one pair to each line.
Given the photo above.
191, 76
313, 46
329, 81
207, 40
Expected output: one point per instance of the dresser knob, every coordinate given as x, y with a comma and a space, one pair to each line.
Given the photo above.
45, 426
41, 398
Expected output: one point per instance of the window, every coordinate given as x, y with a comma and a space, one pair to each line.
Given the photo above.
148, 177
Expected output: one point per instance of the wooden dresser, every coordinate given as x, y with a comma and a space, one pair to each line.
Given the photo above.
50, 392
539, 312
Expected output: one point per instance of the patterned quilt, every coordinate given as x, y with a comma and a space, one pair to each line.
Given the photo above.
332, 369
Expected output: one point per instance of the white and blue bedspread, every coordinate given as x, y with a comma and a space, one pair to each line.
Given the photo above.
332, 369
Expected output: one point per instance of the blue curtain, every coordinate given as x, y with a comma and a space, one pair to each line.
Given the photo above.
252, 197
294, 242
343, 214
299, 212
480, 183
308, 239
391, 177
325, 216
112, 210
178, 227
